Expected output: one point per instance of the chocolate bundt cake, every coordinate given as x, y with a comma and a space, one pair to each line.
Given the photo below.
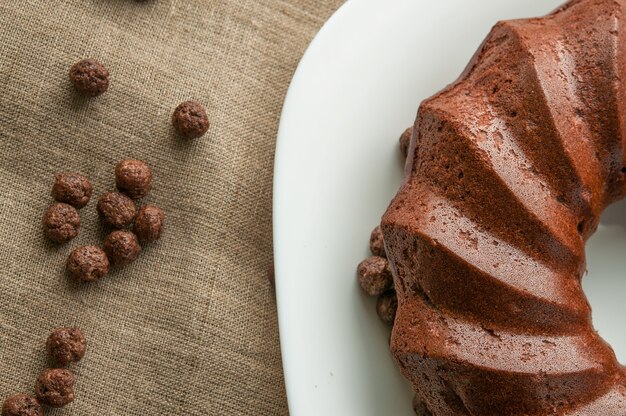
508, 171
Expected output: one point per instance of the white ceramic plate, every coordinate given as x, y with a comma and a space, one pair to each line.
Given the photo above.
337, 167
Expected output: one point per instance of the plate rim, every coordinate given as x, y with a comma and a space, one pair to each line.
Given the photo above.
317, 40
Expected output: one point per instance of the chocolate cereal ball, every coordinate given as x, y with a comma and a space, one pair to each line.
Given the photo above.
61, 222
21, 405
133, 177
66, 345
405, 141
374, 275
377, 244
87, 263
190, 120
55, 387
72, 188
149, 223
116, 209
386, 307
89, 77
122, 247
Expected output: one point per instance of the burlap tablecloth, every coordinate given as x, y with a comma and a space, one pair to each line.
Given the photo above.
189, 328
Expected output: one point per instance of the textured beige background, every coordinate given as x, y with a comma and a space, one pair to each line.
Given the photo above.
190, 328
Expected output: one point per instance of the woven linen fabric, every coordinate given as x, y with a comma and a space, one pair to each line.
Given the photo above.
190, 327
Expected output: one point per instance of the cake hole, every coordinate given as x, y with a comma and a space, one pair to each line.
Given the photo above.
578, 112
605, 283
513, 113
624, 170
581, 227
461, 175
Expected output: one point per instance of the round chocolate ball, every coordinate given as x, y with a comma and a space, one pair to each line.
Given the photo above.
72, 188
122, 247
21, 405
377, 244
89, 77
149, 223
190, 120
133, 178
66, 345
386, 307
55, 387
116, 209
87, 263
374, 275
61, 222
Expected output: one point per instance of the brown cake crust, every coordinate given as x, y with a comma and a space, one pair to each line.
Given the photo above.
511, 168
